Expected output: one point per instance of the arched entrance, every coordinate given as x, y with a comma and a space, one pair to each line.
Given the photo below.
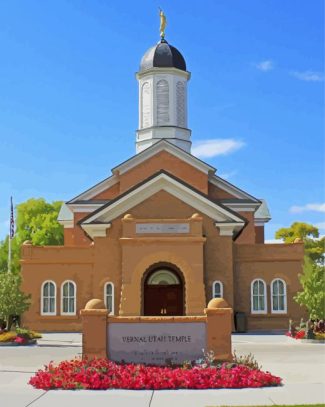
163, 292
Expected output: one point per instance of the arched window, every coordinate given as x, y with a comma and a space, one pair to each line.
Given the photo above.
48, 298
278, 296
109, 297
217, 289
145, 105
68, 298
258, 297
180, 104
162, 102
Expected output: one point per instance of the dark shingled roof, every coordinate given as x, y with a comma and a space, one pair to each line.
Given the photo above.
162, 55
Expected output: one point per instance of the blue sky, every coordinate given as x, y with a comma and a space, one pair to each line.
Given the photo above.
69, 107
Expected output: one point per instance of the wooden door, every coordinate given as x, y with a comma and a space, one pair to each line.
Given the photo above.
164, 300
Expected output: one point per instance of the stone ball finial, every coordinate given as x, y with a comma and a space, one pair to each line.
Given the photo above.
27, 242
298, 240
218, 303
128, 216
95, 303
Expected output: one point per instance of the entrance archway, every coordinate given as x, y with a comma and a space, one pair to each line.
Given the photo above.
163, 292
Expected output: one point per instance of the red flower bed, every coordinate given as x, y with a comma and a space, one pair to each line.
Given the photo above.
103, 374
298, 335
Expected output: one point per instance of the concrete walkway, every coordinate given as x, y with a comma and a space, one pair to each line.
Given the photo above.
302, 366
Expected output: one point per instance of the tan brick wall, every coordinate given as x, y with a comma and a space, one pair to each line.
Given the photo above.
268, 262
57, 264
259, 234
168, 162
109, 193
216, 193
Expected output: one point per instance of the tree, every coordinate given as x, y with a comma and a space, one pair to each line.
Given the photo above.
312, 280
313, 294
12, 300
314, 247
36, 221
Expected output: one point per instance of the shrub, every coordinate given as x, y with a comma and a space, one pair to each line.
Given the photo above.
246, 360
8, 336
104, 374
27, 333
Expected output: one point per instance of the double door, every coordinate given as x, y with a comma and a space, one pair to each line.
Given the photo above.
163, 300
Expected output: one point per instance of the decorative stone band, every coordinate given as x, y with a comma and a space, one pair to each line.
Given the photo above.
157, 340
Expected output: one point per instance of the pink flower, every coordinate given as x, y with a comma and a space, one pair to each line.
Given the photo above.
20, 340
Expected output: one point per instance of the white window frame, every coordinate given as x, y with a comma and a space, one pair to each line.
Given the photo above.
214, 289
265, 297
285, 297
113, 296
74, 298
42, 298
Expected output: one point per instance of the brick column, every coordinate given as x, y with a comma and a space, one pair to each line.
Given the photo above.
219, 324
94, 329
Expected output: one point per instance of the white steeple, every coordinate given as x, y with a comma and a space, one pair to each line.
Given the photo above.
163, 98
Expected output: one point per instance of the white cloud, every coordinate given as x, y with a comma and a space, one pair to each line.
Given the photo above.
265, 66
312, 207
308, 76
213, 147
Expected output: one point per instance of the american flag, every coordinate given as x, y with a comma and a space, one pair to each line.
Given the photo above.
12, 220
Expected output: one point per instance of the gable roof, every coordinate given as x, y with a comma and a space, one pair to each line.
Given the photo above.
137, 159
263, 213
231, 189
94, 190
163, 145
171, 184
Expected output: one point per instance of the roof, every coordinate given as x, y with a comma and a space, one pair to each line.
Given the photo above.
171, 184
162, 55
156, 148
232, 189
263, 212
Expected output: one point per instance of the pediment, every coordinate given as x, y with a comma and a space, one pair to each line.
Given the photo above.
175, 187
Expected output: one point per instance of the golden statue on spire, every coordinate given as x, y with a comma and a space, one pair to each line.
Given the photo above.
163, 23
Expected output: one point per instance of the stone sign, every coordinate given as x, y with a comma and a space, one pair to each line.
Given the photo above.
162, 228
156, 343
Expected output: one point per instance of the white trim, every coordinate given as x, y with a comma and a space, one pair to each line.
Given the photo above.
113, 296
74, 298
162, 70
285, 297
242, 207
96, 189
170, 185
96, 230
157, 148
260, 223
214, 288
85, 207
67, 224
42, 298
228, 228
231, 189
265, 297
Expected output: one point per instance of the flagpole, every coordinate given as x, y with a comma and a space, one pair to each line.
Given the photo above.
11, 233
9, 255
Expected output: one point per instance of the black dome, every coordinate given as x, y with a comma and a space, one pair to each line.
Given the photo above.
162, 55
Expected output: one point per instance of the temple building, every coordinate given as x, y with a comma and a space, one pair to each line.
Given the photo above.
164, 233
